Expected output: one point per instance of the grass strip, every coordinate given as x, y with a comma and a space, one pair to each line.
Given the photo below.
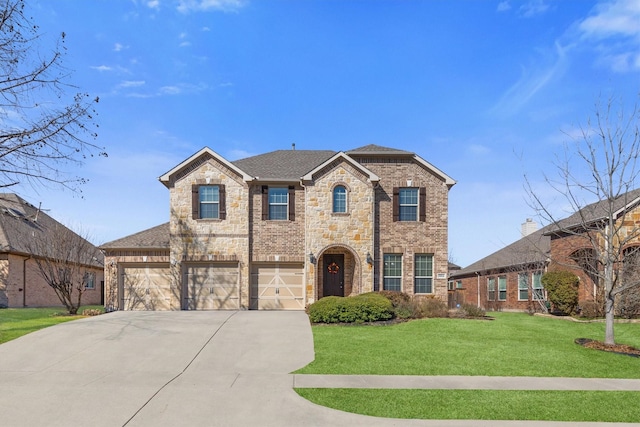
16, 322
584, 406
514, 344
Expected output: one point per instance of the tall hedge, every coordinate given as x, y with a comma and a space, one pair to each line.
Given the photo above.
562, 290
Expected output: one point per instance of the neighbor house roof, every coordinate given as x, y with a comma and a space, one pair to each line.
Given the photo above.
152, 238
283, 165
531, 249
598, 211
21, 222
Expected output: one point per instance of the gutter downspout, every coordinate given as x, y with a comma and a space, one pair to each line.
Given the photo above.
305, 256
24, 280
374, 255
478, 287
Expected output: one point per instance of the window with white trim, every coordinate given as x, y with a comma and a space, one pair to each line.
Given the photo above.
209, 201
392, 272
423, 274
523, 287
538, 287
408, 204
278, 203
340, 199
502, 288
491, 289
90, 280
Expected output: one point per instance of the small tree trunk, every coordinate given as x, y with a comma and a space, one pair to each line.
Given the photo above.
609, 318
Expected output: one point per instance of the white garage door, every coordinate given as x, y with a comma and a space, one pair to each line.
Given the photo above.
212, 287
145, 288
277, 287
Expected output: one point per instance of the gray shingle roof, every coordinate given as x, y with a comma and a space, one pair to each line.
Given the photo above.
531, 249
152, 238
283, 164
21, 222
373, 149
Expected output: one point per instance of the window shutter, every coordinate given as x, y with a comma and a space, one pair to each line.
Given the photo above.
423, 204
396, 203
222, 193
265, 202
292, 203
195, 202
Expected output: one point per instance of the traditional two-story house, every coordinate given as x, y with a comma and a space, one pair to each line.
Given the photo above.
282, 229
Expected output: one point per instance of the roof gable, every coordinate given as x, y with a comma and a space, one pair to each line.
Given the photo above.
196, 160
372, 176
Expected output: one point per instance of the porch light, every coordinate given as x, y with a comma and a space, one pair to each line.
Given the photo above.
312, 259
369, 259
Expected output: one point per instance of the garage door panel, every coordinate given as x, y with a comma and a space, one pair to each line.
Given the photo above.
212, 287
146, 288
277, 287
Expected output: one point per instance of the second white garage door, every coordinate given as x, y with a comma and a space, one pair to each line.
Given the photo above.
277, 287
212, 287
145, 288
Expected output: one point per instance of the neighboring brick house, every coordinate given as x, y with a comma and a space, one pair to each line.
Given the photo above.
21, 284
509, 279
282, 229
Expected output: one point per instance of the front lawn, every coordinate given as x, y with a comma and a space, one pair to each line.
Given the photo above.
15, 322
514, 344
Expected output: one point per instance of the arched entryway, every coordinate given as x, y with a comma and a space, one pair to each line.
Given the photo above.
338, 272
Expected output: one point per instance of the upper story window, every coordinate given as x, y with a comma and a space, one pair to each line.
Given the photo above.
340, 199
208, 201
409, 204
278, 203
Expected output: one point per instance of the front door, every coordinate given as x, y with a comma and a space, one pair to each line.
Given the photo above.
333, 283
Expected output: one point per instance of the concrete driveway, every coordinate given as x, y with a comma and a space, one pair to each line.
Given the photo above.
172, 369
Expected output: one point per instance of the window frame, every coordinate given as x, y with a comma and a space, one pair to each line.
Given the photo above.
403, 207
90, 280
397, 279
416, 276
502, 293
538, 292
281, 191
196, 209
214, 203
345, 201
491, 288
523, 286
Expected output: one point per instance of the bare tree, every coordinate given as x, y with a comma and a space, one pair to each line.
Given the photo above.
42, 126
66, 260
602, 166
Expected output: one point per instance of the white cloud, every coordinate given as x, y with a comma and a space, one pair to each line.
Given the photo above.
118, 47
186, 6
153, 4
170, 90
533, 8
132, 83
101, 68
532, 81
504, 6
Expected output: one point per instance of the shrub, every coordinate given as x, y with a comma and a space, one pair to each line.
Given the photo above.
91, 312
591, 309
470, 310
562, 289
431, 307
404, 306
628, 305
369, 307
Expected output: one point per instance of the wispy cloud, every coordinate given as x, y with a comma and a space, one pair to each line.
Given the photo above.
503, 6
153, 4
118, 47
614, 28
101, 68
533, 79
533, 8
186, 6
131, 83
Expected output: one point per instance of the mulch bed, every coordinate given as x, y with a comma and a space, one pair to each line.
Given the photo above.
616, 348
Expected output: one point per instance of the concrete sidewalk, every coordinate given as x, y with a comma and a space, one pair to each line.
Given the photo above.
155, 369
463, 383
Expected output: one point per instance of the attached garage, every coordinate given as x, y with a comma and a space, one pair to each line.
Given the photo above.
212, 286
145, 288
278, 286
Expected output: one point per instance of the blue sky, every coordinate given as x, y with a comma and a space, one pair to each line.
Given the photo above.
487, 91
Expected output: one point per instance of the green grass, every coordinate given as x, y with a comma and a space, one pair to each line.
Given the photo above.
514, 344
595, 406
16, 322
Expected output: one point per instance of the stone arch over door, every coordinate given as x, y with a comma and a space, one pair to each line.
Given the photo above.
350, 269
